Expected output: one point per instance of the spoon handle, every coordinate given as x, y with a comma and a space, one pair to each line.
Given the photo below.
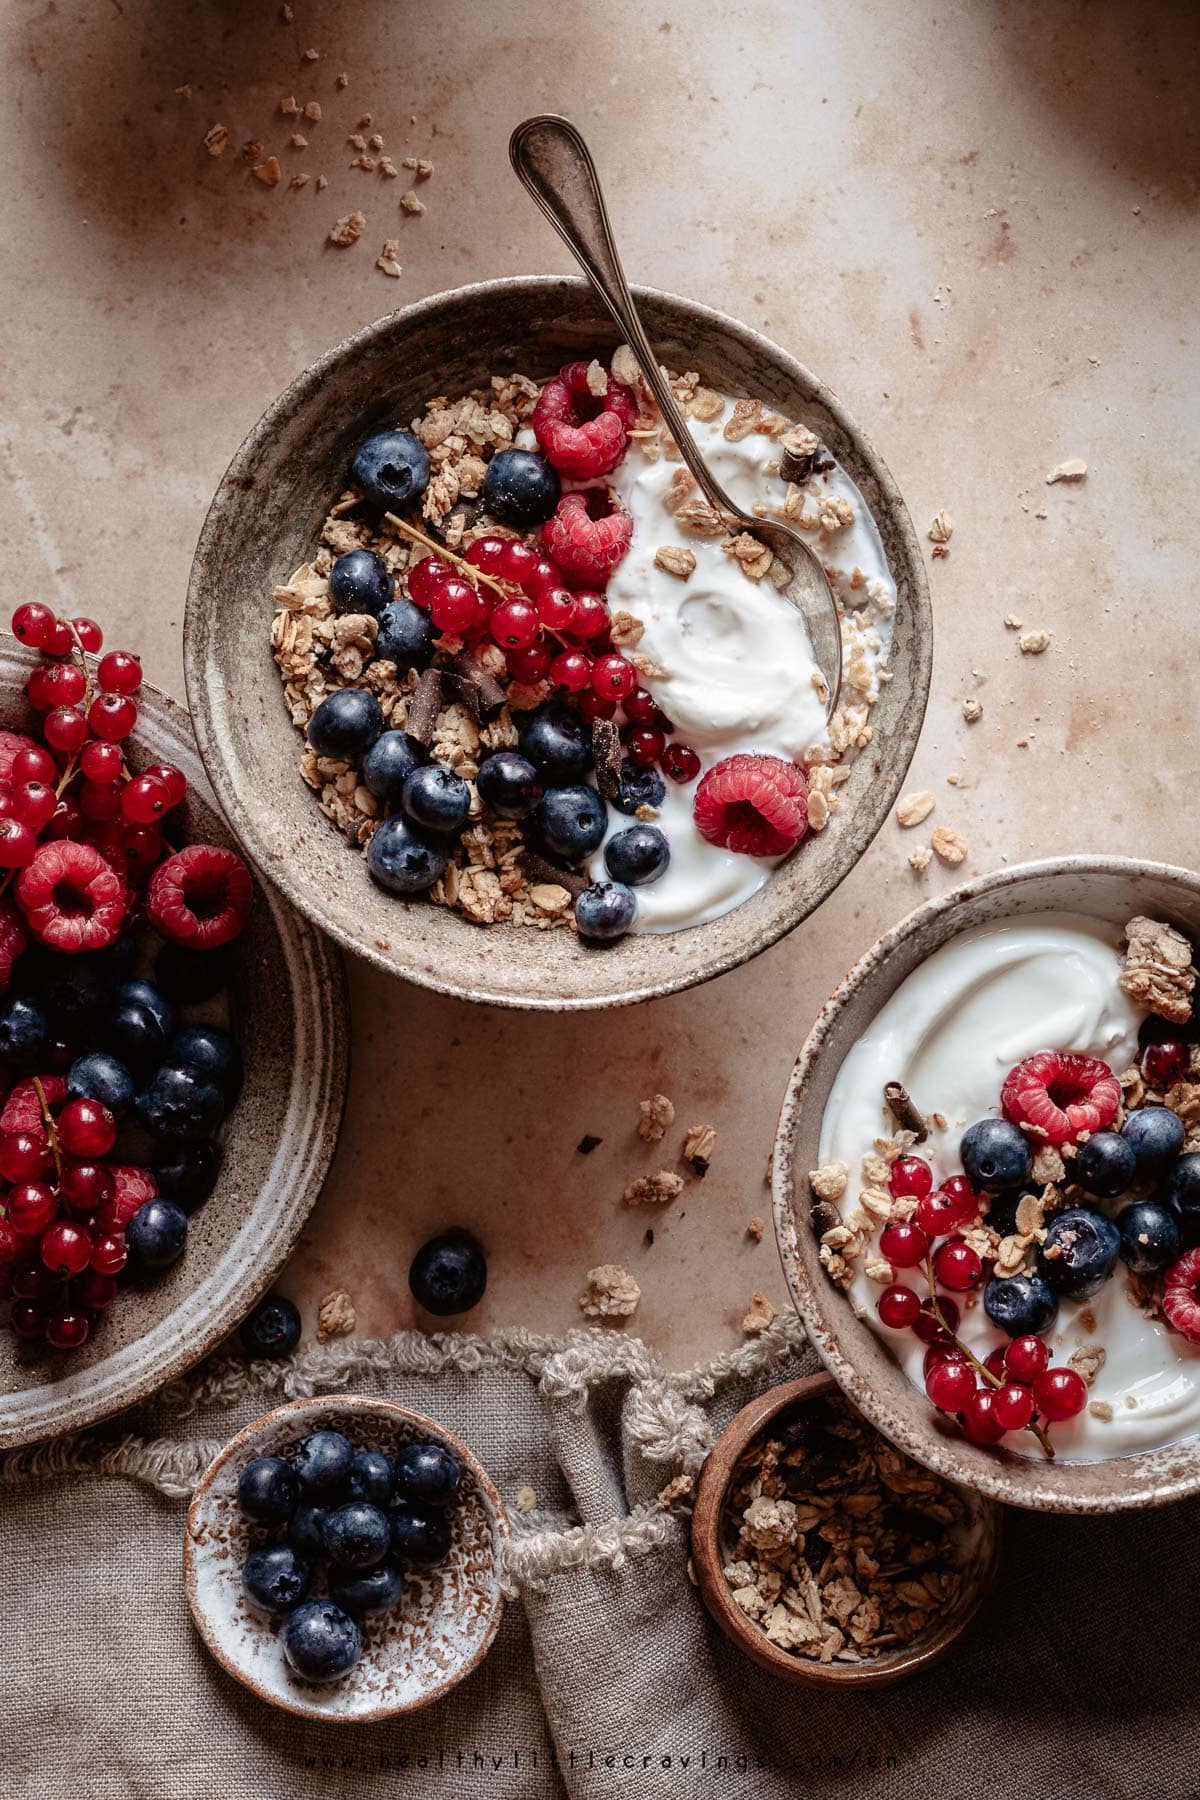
552, 160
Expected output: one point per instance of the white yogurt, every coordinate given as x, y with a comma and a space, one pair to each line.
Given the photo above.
950, 1033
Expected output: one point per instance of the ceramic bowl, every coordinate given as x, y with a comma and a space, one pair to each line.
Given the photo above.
447, 1617
265, 521
711, 1547
1110, 888
292, 1021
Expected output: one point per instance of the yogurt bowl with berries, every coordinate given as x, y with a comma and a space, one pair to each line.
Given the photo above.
543, 689
987, 1184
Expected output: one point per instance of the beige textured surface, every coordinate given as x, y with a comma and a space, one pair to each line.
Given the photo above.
979, 223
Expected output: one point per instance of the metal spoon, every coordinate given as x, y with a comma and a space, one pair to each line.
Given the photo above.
556, 166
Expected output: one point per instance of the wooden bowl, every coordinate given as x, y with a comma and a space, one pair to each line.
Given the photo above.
447, 1617
709, 1556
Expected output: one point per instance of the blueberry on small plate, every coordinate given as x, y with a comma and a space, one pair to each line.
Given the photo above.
268, 1490
426, 1473
320, 1641
365, 1593
371, 1477
322, 1462
420, 1533
275, 1578
356, 1535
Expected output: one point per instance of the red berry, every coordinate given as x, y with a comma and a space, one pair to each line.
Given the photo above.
979, 1422
109, 1254
143, 800
1181, 1295
640, 706
119, 673
94, 1290
34, 764
485, 554
60, 639
55, 684
112, 716
33, 624
591, 618
28, 1319
98, 804
963, 1195
572, 670
18, 844
645, 746
587, 548
24, 1155
936, 1213
582, 434
66, 729
1012, 1406
927, 1327
612, 677
89, 634
31, 1279
66, 1248
515, 623
911, 1177
939, 1353
200, 897
1165, 1061
67, 1328
543, 576
518, 561
425, 577
85, 1186
950, 1383
452, 604
132, 1186
32, 1208
556, 608
86, 1129
71, 898
593, 707
142, 845
681, 763
1059, 1393
1061, 1095
957, 1266
530, 664
898, 1306
1026, 1357
993, 1362
173, 779
756, 805
67, 821
903, 1245
34, 803
9, 1246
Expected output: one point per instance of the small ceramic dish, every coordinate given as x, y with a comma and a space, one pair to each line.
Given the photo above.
711, 1549
447, 1617
1113, 889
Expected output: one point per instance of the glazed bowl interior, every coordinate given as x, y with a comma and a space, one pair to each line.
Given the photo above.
1111, 889
265, 521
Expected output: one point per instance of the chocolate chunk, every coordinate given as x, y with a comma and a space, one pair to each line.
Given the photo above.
824, 1217
537, 868
796, 467
424, 706
648, 1240
606, 754
480, 692
907, 1115
587, 1144
469, 511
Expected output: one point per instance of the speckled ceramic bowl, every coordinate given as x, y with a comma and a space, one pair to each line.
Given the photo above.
265, 520
447, 1617
291, 1017
1109, 888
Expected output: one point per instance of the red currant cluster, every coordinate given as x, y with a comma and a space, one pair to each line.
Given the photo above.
547, 631
1014, 1388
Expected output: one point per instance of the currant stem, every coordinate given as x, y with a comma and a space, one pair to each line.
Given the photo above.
1039, 1431
51, 1129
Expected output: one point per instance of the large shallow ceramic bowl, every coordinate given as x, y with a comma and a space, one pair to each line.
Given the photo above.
447, 1616
290, 1013
1110, 888
265, 521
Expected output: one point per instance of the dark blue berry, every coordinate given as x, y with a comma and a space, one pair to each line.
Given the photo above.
346, 723
98, 1076
392, 469
448, 1274
180, 1105
436, 799
1080, 1252
605, 911
273, 1328
268, 1490
156, 1234
24, 1031
320, 1641
638, 786
401, 861
371, 1477
426, 1474
420, 1534
322, 1461
571, 822
1155, 1135
509, 785
274, 1579
306, 1528
361, 582
370, 1592
73, 989
187, 1172
637, 855
145, 993
389, 763
356, 1535
209, 1052
1104, 1165
1020, 1304
995, 1154
557, 740
406, 635
134, 1035
521, 488
1182, 1187
1151, 1236
191, 976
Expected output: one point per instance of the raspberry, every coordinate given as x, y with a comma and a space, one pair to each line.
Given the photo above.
71, 898
23, 1112
132, 1187
1061, 1095
11, 744
1181, 1295
756, 805
200, 897
583, 434
587, 548
13, 940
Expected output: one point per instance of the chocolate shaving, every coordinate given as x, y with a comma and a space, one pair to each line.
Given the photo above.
588, 1143
824, 1216
424, 707
606, 754
481, 693
903, 1109
538, 869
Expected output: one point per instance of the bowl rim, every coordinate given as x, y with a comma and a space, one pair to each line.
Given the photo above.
820, 1304
309, 899
707, 1558
370, 1406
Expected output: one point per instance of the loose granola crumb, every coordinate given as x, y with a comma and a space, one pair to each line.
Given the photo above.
941, 528
759, 1314
215, 140
755, 1228
698, 1147
626, 631
290, 107
300, 180
526, 1500
348, 230
1074, 469
611, 1293
654, 1190
678, 1488
269, 172
386, 260
674, 559
1088, 1361
949, 846
342, 80
311, 56
655, 1115
1013, 622
1032, 643
322, 182
919, 858
829, 1182
1100, 1409
1158, 972
336, 1317
912, 809
409, 203
298, 141
312, 111
972, 709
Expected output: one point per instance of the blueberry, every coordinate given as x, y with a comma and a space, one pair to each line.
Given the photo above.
638, 786
557, 740
370, 1592
401, 861
133, 1034
1002, 1209
571, 822
1151, 1236
448, 1274
322, 1463
995, 1154
156, 1234
24, 1031
1020, 1304
268, 1490
187, 1172
405, 635
371, 1477
209, 1052
1182, 1187
273, 1328
392, 469
1086, 1244
426, 1474
145, 993
73, 989
521, 488
275, 1579
180, 1105
361, 582
191, 976
1156, 1136
389, 763
436, 799
420, 1534
320, 1641
1105, 1165
356, 1535
605, 911
509, 785
306, 1528
98, 1076
637, 855
346, 723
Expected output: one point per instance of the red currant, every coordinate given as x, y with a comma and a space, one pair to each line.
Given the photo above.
593, 707
17, 844
33, 624
86, 1129
572, 670
109, 1254
927, 1326
612, 677
936, 1213
23, 1156
60, 639
681, 763
426, 577
119, 673
173, 779
67, 820
993, 1362
1165, 1062
31, 1279
515, 624
66, 729
56, 684
911, 1177
34, 803
1059, 1393
89, 634
28, 1319
452, 604
592, 617
67, 1328
143, 800
645, 746
518, 561
1012, 1406
32, 1208
940, 1353
112, 716
950, 1383
556, 608
963, 1195
543, 576
530, 664
640, 707
904, 1245
1026, 1357
143, 845
979, 1422
94, 1290
101, 762
34, 764
85, 1186
66, 1248
957, 1266
98, 804
485, 554
898, 1306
